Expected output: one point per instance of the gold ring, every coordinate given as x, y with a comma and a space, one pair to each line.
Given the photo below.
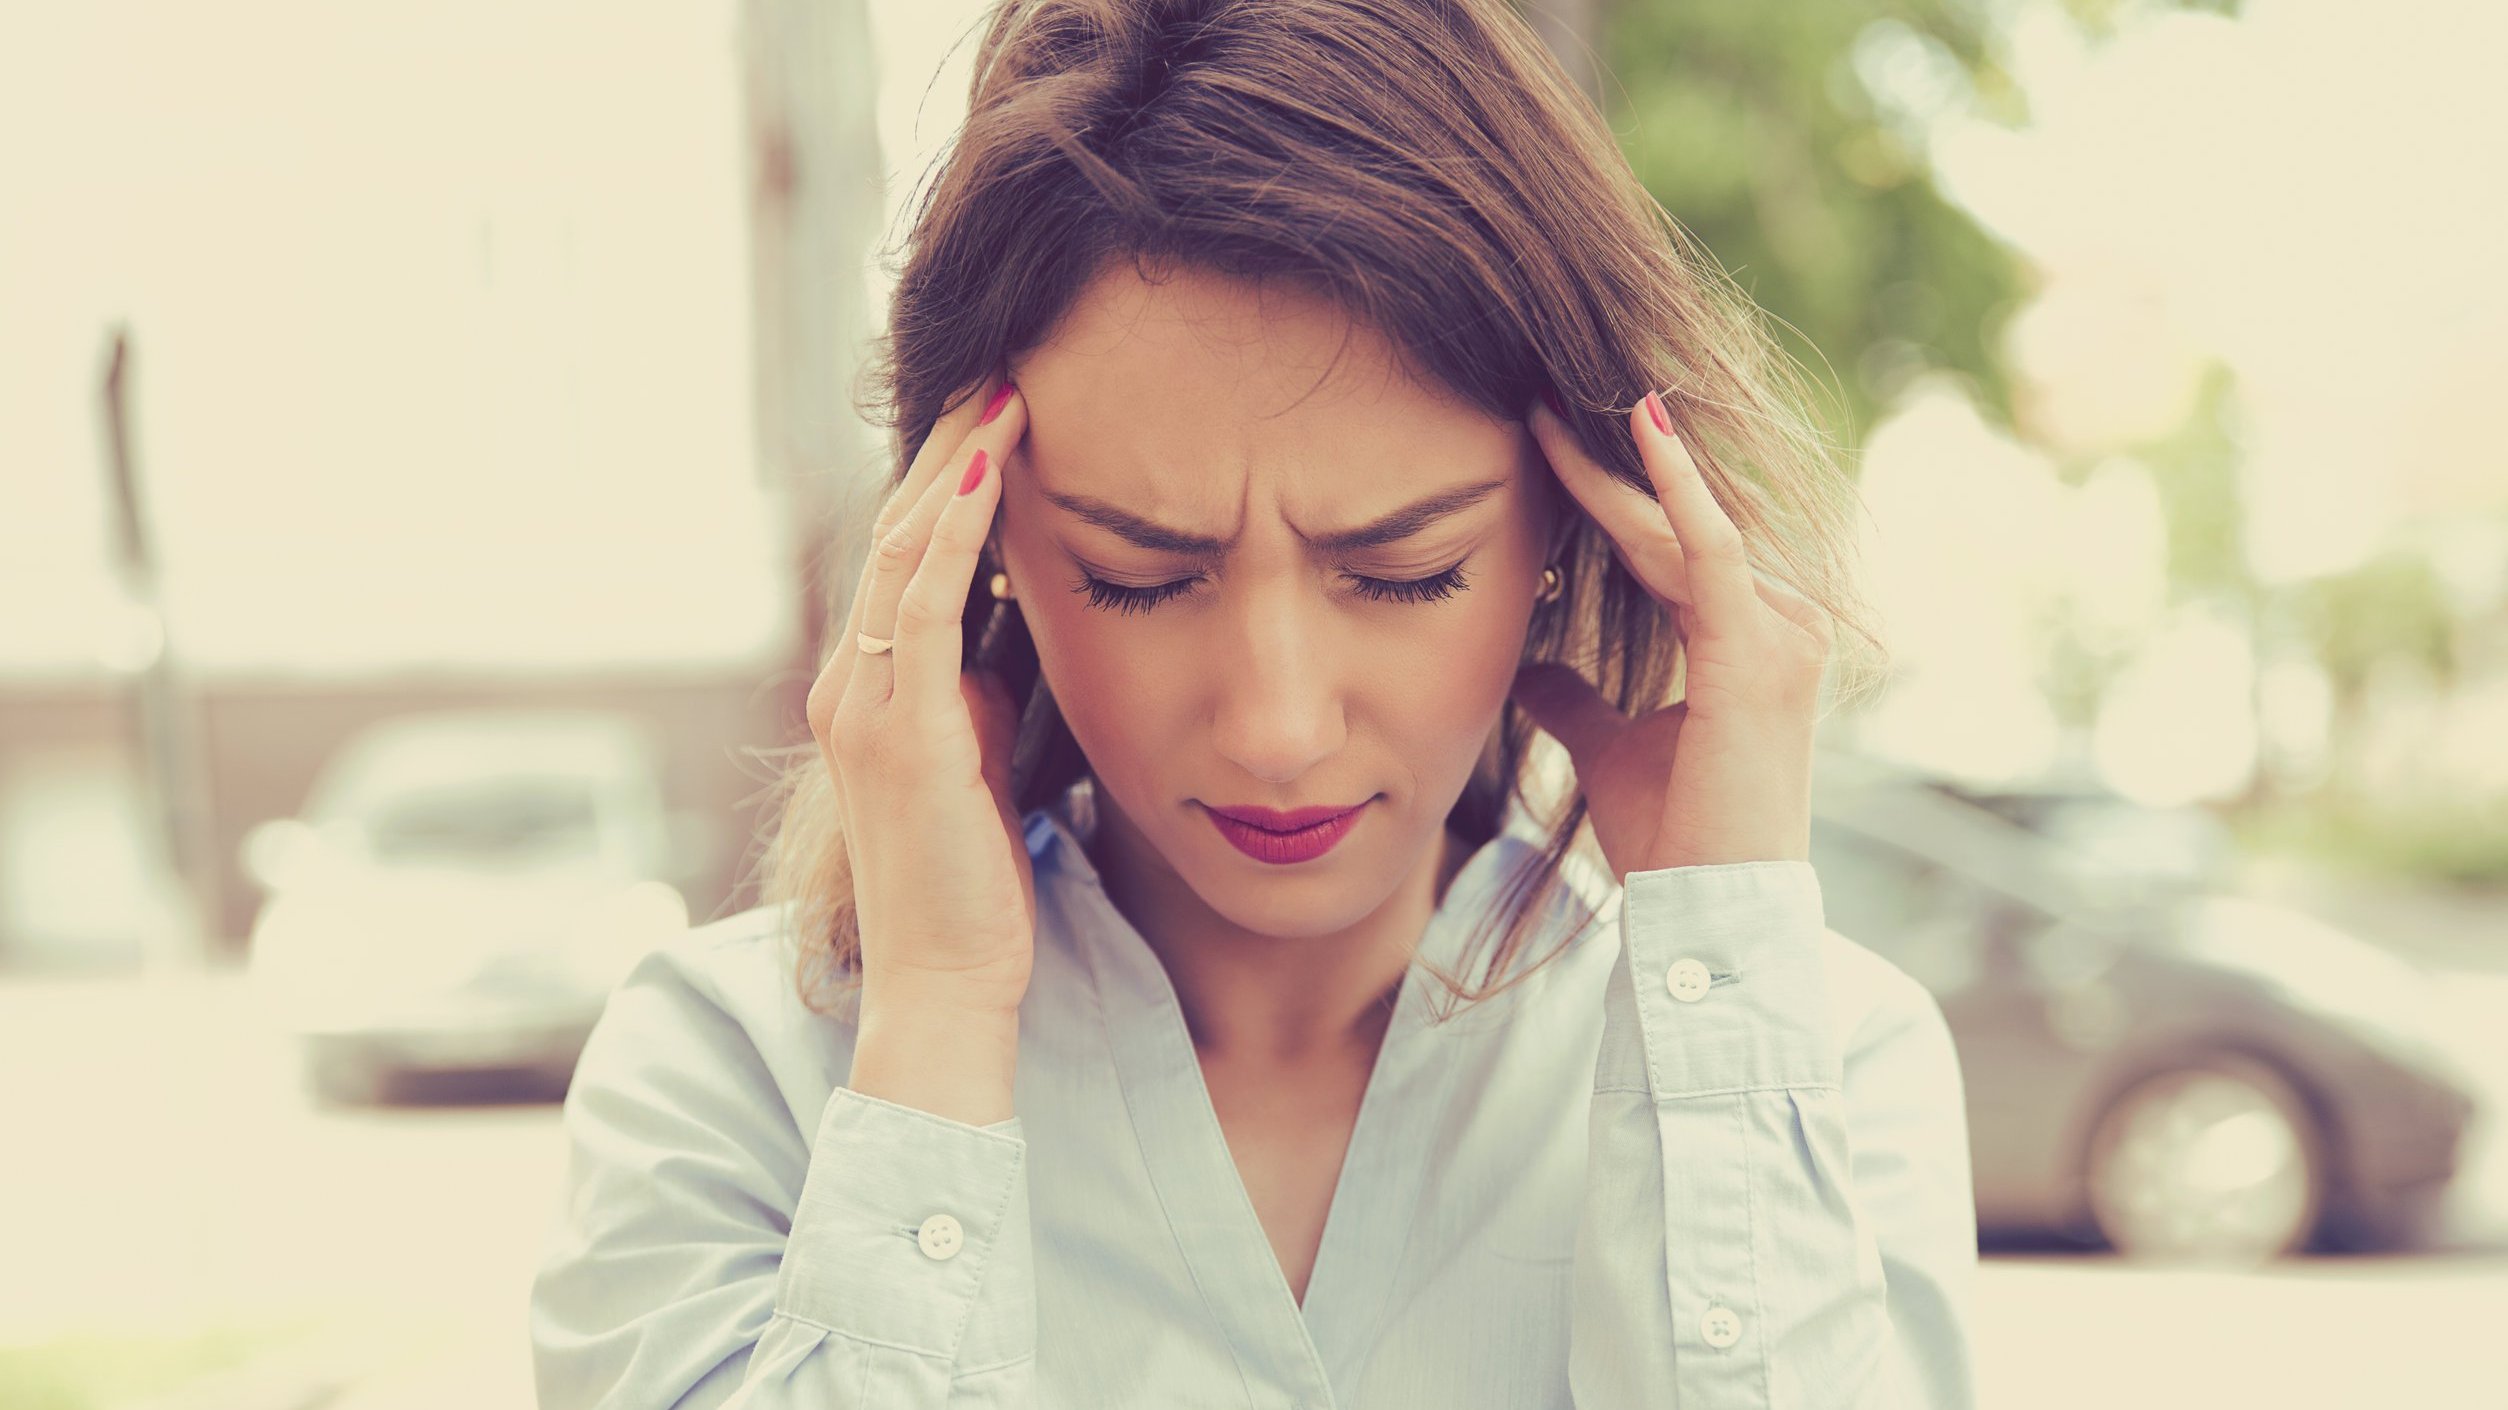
872, 645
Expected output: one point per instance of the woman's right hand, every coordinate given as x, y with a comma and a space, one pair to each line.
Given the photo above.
920, 753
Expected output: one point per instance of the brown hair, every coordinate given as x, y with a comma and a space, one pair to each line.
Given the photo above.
1428, 167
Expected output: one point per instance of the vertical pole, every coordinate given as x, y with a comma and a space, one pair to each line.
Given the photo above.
816, 195
164, 720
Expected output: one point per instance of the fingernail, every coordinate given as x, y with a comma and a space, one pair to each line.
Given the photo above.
1654, 408
975, 472
1001, 398
1550, 399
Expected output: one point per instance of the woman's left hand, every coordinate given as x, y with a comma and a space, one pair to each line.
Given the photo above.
1725, 774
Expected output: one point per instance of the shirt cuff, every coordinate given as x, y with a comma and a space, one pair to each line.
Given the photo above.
1719, 985
901, 1214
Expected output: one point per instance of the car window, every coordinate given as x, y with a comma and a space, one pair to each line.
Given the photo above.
500, 823
1906, 908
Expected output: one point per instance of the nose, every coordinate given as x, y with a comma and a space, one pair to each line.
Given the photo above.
1277, 710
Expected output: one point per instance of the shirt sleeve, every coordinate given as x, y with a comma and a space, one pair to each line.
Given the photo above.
1772, 1219
708, 1252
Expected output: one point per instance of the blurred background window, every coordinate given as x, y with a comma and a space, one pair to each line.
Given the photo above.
510, 822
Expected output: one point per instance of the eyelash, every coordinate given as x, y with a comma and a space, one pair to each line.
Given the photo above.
1116, 597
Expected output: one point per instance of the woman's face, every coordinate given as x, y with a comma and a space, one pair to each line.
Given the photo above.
1264, 667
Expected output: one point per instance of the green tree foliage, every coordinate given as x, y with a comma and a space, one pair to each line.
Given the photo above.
2195, 468
1790, 139
1756, 127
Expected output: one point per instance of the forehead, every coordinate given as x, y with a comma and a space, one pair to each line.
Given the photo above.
1175, 391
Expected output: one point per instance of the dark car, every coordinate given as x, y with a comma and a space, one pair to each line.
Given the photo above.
2151, 1063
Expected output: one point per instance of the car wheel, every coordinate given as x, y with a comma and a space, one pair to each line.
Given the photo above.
2215, 1159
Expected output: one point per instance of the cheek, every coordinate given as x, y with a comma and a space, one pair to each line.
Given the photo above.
1102, 666
1446, 679
1126, 704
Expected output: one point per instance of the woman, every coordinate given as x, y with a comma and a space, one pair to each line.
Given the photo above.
1321, 406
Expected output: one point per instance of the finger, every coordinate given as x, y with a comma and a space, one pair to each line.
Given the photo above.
978, 404
930, 645
1792, 605
903, 551
1719, 576
894, 560
949, 432
1589, 482
841, 651
1639, 532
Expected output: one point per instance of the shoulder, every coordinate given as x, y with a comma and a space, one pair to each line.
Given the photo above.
1871, 999
724, 964
688, 1126
715, 1003
1898, 1049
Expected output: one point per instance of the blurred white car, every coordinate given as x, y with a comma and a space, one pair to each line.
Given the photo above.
462, 892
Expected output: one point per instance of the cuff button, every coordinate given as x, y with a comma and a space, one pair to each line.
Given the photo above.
940, 1237
1687, 980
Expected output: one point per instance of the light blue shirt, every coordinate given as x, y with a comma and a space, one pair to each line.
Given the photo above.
1714, 1156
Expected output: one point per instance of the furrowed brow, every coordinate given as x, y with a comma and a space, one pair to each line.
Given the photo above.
1391, 529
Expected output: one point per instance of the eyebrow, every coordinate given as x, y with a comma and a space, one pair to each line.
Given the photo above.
1392, 528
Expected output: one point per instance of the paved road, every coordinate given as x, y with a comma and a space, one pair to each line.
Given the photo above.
167, 1175
178, 1181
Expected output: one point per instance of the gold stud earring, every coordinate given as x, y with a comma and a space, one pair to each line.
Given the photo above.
1001, 588
1551, 586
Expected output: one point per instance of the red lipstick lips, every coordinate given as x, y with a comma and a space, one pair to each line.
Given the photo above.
1270, 835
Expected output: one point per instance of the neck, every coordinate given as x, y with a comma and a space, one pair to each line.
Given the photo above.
1254, 998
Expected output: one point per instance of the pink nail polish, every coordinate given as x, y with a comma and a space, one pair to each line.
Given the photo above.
1001, 398
1654, 408
975, 473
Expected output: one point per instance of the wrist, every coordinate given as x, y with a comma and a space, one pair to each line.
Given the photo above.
955, 1062
939, 998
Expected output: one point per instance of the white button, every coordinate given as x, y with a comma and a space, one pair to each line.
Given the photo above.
1722, 1326
1687, 979
940, 1236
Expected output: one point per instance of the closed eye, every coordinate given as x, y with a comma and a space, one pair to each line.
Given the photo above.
1116, 597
